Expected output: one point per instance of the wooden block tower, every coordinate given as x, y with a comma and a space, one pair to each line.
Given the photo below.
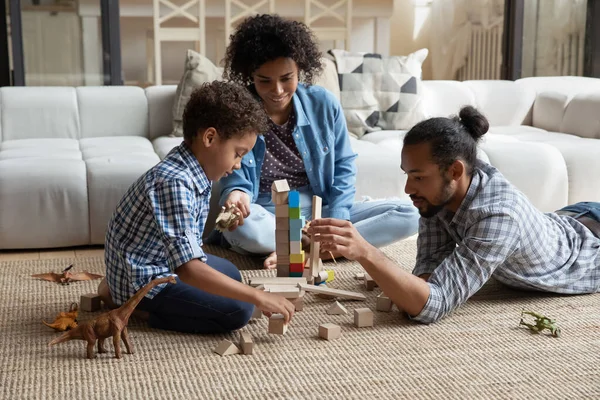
279, 195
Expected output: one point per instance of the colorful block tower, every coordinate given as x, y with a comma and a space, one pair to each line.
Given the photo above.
288, 230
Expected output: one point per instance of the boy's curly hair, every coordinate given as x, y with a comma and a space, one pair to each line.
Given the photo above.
263, 38
226, 106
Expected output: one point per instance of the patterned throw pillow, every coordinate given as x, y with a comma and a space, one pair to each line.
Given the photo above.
197, 70
380, 93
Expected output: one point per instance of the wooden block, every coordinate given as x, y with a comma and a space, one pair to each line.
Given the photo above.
282, 237
370, 283
363, 317
299, 301
257, 314
280, 185
321, 277
330, 331
295, 247
246, 343
297, 267
282, 223
359, 276
315, 265
332, 292
283, 270
337, 309
282, 249
384, 303
90, 302
277, 325
282, 210
226, 348
295, 235
294, 199
294, 213
287, 291
279, 198
296, 274
297, 258
296, 224
275, 281
283, 259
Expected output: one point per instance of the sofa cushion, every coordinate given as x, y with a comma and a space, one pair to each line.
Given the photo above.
502, 102
39, 112
160, 110
112, 111
582, 115
548, 110
44, 203
117, 146
329, 78
163, 145
445, 98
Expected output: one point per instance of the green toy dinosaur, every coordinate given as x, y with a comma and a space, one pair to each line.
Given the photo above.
541, 323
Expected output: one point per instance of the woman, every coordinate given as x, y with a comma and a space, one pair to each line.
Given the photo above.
307, 143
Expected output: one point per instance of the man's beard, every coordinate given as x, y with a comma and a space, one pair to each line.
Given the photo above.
432, 209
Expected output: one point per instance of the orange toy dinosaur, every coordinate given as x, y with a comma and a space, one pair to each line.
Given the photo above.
67, 276
112, 323
65, 320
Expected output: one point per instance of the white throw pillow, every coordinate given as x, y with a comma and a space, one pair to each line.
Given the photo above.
197, 70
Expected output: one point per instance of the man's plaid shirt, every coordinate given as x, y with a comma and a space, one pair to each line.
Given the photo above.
157, 225
497, 232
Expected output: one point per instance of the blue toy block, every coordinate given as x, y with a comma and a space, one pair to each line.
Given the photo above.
294, 199
295, 235
296, 274
297, 224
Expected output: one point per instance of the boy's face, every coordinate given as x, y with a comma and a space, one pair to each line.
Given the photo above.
429, 188
276, 82
220, 157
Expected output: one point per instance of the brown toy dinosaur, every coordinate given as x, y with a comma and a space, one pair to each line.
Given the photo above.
112, 323
65, 320
67, 276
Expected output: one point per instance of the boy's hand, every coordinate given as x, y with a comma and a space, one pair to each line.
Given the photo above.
339, 236
241, 200
274, 304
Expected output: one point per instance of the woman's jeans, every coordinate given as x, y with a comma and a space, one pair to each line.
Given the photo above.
380, 222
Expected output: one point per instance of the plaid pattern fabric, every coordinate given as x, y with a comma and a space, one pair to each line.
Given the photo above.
497, 232
376, 93
157, 225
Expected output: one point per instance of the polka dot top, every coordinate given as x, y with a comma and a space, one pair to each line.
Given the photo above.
282, 158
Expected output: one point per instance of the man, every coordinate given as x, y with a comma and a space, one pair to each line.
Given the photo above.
474, 225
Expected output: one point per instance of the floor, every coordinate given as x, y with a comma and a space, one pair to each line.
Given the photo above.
47, 254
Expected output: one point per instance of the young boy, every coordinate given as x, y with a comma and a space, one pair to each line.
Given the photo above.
157, 227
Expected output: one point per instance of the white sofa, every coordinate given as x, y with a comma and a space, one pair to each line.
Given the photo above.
68, 154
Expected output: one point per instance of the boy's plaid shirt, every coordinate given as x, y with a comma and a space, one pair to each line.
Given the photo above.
157, 225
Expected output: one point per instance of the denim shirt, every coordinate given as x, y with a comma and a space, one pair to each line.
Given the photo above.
322, 139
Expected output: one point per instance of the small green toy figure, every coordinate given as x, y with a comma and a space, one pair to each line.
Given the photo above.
541, 323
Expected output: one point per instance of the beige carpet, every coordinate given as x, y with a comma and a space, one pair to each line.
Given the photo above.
478, 352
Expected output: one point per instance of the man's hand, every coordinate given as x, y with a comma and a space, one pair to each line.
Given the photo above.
271, 303
242, 201
339, 236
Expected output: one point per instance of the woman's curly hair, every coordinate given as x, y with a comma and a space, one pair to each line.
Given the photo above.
226, 106
263, 38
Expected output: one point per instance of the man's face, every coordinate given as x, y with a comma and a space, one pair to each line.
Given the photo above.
429, 188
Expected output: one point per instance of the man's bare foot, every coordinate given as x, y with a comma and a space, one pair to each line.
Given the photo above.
271, 261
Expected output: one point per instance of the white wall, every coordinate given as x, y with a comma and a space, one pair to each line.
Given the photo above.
411, 30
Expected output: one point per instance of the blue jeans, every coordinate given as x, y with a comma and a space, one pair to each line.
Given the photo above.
584, 209
380, 222
185, 308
